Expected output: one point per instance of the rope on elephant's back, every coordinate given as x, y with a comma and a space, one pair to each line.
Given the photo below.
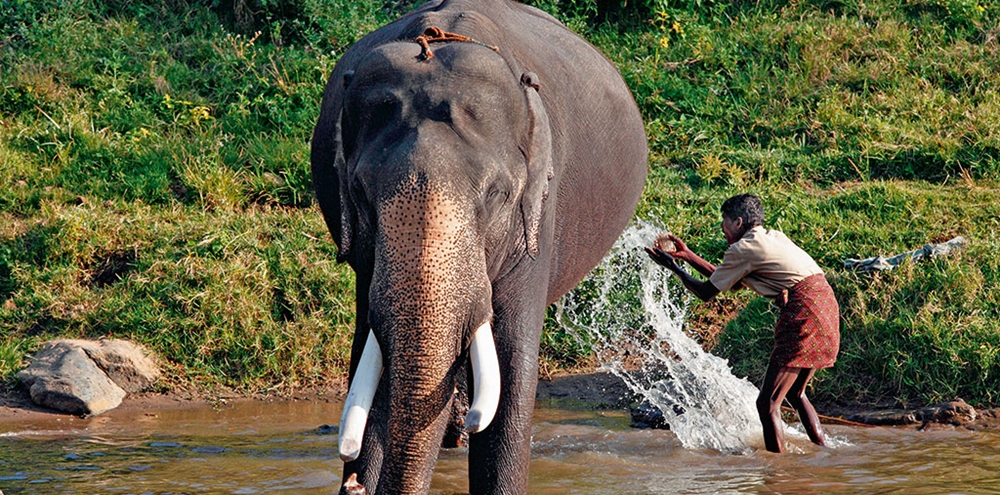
434, 34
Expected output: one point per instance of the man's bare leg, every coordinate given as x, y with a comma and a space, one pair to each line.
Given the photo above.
777, 382
807, 414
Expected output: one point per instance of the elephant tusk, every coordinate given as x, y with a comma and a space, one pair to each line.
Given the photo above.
359, 400
486, 375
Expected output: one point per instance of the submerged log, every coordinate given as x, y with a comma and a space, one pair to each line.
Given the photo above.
956, 412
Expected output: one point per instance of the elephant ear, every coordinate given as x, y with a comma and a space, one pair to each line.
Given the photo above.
539, 159
330, 175
348, 213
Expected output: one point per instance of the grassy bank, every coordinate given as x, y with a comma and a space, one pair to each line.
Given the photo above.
156, 162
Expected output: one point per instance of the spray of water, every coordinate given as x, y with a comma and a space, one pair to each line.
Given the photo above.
631, 311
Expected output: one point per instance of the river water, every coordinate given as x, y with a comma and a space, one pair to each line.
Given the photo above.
276, 447
632, 313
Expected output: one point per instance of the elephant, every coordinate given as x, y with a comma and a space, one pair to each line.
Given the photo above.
473, 160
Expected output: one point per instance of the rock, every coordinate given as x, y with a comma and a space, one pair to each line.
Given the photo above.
327, 430
124, 362
86, 377
956, 412
66, 379
646, 415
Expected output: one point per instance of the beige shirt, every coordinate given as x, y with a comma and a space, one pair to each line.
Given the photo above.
766, 261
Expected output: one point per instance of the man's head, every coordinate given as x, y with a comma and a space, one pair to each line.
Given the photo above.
741, 213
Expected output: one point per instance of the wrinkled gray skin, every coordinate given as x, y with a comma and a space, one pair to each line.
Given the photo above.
469, 187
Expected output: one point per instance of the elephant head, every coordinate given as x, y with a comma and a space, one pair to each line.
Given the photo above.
424, 165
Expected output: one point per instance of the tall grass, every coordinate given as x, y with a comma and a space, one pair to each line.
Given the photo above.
159, 190
155, 158
819, 91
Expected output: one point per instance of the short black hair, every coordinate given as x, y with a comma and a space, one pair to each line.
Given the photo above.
745, 206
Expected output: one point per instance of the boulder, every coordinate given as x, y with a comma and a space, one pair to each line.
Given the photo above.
66, 379
87, 377
124, 362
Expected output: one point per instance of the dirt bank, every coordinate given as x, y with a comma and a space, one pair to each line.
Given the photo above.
587, 389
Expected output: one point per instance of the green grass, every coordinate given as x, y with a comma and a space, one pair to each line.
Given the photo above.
923, 332
156, 163
248, 299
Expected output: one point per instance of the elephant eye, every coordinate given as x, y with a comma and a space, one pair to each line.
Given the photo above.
368, 115
495, 196
374, 111
378, 112
471, 112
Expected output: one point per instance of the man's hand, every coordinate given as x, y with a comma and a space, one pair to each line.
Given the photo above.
703, 289
681, 250
662, 258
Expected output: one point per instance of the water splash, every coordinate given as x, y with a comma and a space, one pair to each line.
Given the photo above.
632, 312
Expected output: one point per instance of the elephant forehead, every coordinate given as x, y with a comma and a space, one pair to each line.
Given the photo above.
458, 64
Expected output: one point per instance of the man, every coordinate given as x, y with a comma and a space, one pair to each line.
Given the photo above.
807, 335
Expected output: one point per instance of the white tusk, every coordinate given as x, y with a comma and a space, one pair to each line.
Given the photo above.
486, 375
359, 400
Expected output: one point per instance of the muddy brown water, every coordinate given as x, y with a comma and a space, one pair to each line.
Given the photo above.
277, 447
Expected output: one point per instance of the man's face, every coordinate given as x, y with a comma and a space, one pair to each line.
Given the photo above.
732, 229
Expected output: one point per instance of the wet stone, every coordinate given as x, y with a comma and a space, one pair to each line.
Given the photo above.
646, 415
169, 445
208, 449
327, 430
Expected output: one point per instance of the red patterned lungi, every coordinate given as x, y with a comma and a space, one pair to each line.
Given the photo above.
808, 331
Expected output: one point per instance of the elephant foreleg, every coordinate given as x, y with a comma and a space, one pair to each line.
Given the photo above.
500, 454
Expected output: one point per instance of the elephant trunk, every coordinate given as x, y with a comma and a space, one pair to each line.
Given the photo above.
421, 379
430, 297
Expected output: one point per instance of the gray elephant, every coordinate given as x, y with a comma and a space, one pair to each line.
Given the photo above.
474, 160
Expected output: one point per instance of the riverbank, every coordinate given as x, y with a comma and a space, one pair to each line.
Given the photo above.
16, 404
587, 390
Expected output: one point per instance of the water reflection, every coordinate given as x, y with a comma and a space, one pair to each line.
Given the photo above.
251, 448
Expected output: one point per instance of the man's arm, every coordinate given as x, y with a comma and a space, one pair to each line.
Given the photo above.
703, 267
698, 263
704, 290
